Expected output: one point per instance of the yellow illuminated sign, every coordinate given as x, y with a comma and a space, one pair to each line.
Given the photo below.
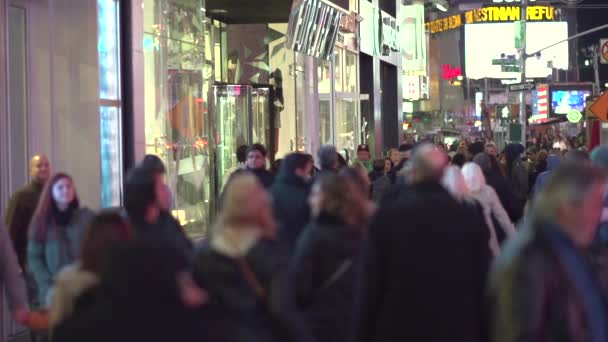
509, 13
444, 24
492, 14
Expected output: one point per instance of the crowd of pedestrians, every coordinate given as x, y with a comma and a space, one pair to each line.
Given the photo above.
425, 244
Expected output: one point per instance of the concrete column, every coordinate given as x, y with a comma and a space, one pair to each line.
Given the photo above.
311, 103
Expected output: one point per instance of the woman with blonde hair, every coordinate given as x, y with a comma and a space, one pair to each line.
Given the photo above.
454, 181
243, 269
324, 264
486, 195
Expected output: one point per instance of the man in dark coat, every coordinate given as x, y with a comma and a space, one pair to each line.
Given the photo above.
424, 265
543, 288
290, 197
146, 204
22, 206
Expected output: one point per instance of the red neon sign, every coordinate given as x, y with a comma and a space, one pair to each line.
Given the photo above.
449, 72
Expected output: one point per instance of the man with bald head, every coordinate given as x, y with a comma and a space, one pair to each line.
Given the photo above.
424, 264
23, 203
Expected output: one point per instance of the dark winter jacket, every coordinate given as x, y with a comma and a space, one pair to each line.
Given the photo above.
543, 289
553, 162
290, 206
167, 229
323, 275
380, 188
138, 300
424, 270
19, 212
245, 315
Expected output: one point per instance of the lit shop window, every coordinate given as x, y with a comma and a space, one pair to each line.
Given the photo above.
110, 106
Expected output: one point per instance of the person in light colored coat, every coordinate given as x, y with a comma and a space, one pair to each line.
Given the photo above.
486, 195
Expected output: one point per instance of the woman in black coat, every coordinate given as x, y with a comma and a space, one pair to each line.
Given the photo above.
323, 268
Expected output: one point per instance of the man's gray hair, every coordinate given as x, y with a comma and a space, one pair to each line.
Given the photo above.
428, 163
569, 182
328, 156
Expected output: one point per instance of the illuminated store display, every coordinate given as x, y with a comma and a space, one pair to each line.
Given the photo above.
109, 94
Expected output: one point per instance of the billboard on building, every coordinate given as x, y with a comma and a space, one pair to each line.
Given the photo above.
486, 43
413, 40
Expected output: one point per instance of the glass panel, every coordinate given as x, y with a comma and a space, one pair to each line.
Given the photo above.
338, 69
176, 85
17, 93
324, 122
347, 119
260, 101
301, 124
108, 49
324, 77
367, 125
110, 156
231, 103
350, 70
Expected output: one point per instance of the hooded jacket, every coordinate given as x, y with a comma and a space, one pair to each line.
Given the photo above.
553, 162
290, 202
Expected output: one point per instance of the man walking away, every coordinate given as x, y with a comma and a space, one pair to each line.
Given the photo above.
425, 263
543, 288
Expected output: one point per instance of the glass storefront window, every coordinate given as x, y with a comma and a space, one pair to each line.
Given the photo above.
324, 121
339, 70
347, 120
111, 167
177, 73
109, 95
350, 70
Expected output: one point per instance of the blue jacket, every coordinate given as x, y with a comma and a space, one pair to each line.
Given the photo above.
552, 163
62, 247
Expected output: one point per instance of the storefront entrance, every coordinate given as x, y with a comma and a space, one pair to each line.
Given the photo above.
243, 114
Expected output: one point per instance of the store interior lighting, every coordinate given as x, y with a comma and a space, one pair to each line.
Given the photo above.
441, 5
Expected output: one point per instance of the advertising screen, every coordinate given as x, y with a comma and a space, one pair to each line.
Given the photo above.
485, 43
565, 101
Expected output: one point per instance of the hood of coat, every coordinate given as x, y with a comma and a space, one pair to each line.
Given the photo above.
74, 281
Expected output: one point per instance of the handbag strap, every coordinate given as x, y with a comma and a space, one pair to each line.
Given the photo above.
342, 269
251, 278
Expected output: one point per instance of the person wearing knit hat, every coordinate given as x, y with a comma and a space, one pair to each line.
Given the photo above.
599, 156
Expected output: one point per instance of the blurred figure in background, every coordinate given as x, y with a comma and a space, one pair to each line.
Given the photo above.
517, 174
153, 164
395, 156
459, 159
290, 197
241, 158
256, 164
56, 231
76, 283
495, 179
453, 180
553, 161
323, 269
275, 167
146, 293
599, 158
499, 220
424, 264
364, 157
11, 279
22, 206
543, 288
244, 271
328, 159
388, 165
146, 203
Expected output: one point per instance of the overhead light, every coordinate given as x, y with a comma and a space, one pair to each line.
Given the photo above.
441, 7
218, 11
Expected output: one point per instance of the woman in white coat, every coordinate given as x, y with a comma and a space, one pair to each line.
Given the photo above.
486, 195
